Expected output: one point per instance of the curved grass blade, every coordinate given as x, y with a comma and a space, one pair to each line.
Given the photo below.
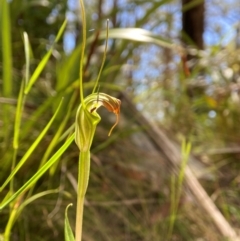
31, 149
104, 59
28, 124
57, 135
21, 97
17, 209
68, 234
27, 56
35, 197
17, 124
18, 116
40, 172
44, 61
155, 5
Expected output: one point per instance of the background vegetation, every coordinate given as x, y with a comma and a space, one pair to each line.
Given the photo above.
129, 196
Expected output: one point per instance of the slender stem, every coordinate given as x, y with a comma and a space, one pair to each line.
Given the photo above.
104, 58
84, 36
83, 177
17, 124
11, 220
8, 228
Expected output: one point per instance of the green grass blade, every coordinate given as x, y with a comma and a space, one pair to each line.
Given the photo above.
84, 37
55, 139
103, 60
40, 172
38, 70
44, 61
68, 69
17, 124
5, 35
6, 48
185, 150
149, 12
31, 149
27, 56
18, 116
18, 209
173, 208
59, 133
61, 30
68, 234
28, 125
21, 95
176, 186
35, 197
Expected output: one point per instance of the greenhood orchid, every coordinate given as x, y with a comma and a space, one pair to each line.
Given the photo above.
87, 117
86, 122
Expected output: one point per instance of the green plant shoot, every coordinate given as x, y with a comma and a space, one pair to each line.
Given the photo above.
87, 119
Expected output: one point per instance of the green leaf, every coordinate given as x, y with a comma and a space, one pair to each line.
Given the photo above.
6, 47
39, 173
67, 229
28, 124
44, 61
21, 96
27, 56
68, 69
20, 208
6, 68
18, 115
31, 149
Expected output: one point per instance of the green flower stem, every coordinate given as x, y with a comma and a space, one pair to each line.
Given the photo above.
83, 177
84, 37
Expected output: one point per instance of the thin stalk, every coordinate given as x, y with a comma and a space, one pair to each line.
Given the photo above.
84, 37
10, 222
104, 58
176, 186
173, 208
12, 217
19, 110
83, 177
6, 78
84, 157
17, 124
55, 141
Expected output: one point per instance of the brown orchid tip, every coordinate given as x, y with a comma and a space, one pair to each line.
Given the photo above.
115, 108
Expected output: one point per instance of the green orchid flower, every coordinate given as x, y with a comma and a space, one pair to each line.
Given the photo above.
87, 118
86, 122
